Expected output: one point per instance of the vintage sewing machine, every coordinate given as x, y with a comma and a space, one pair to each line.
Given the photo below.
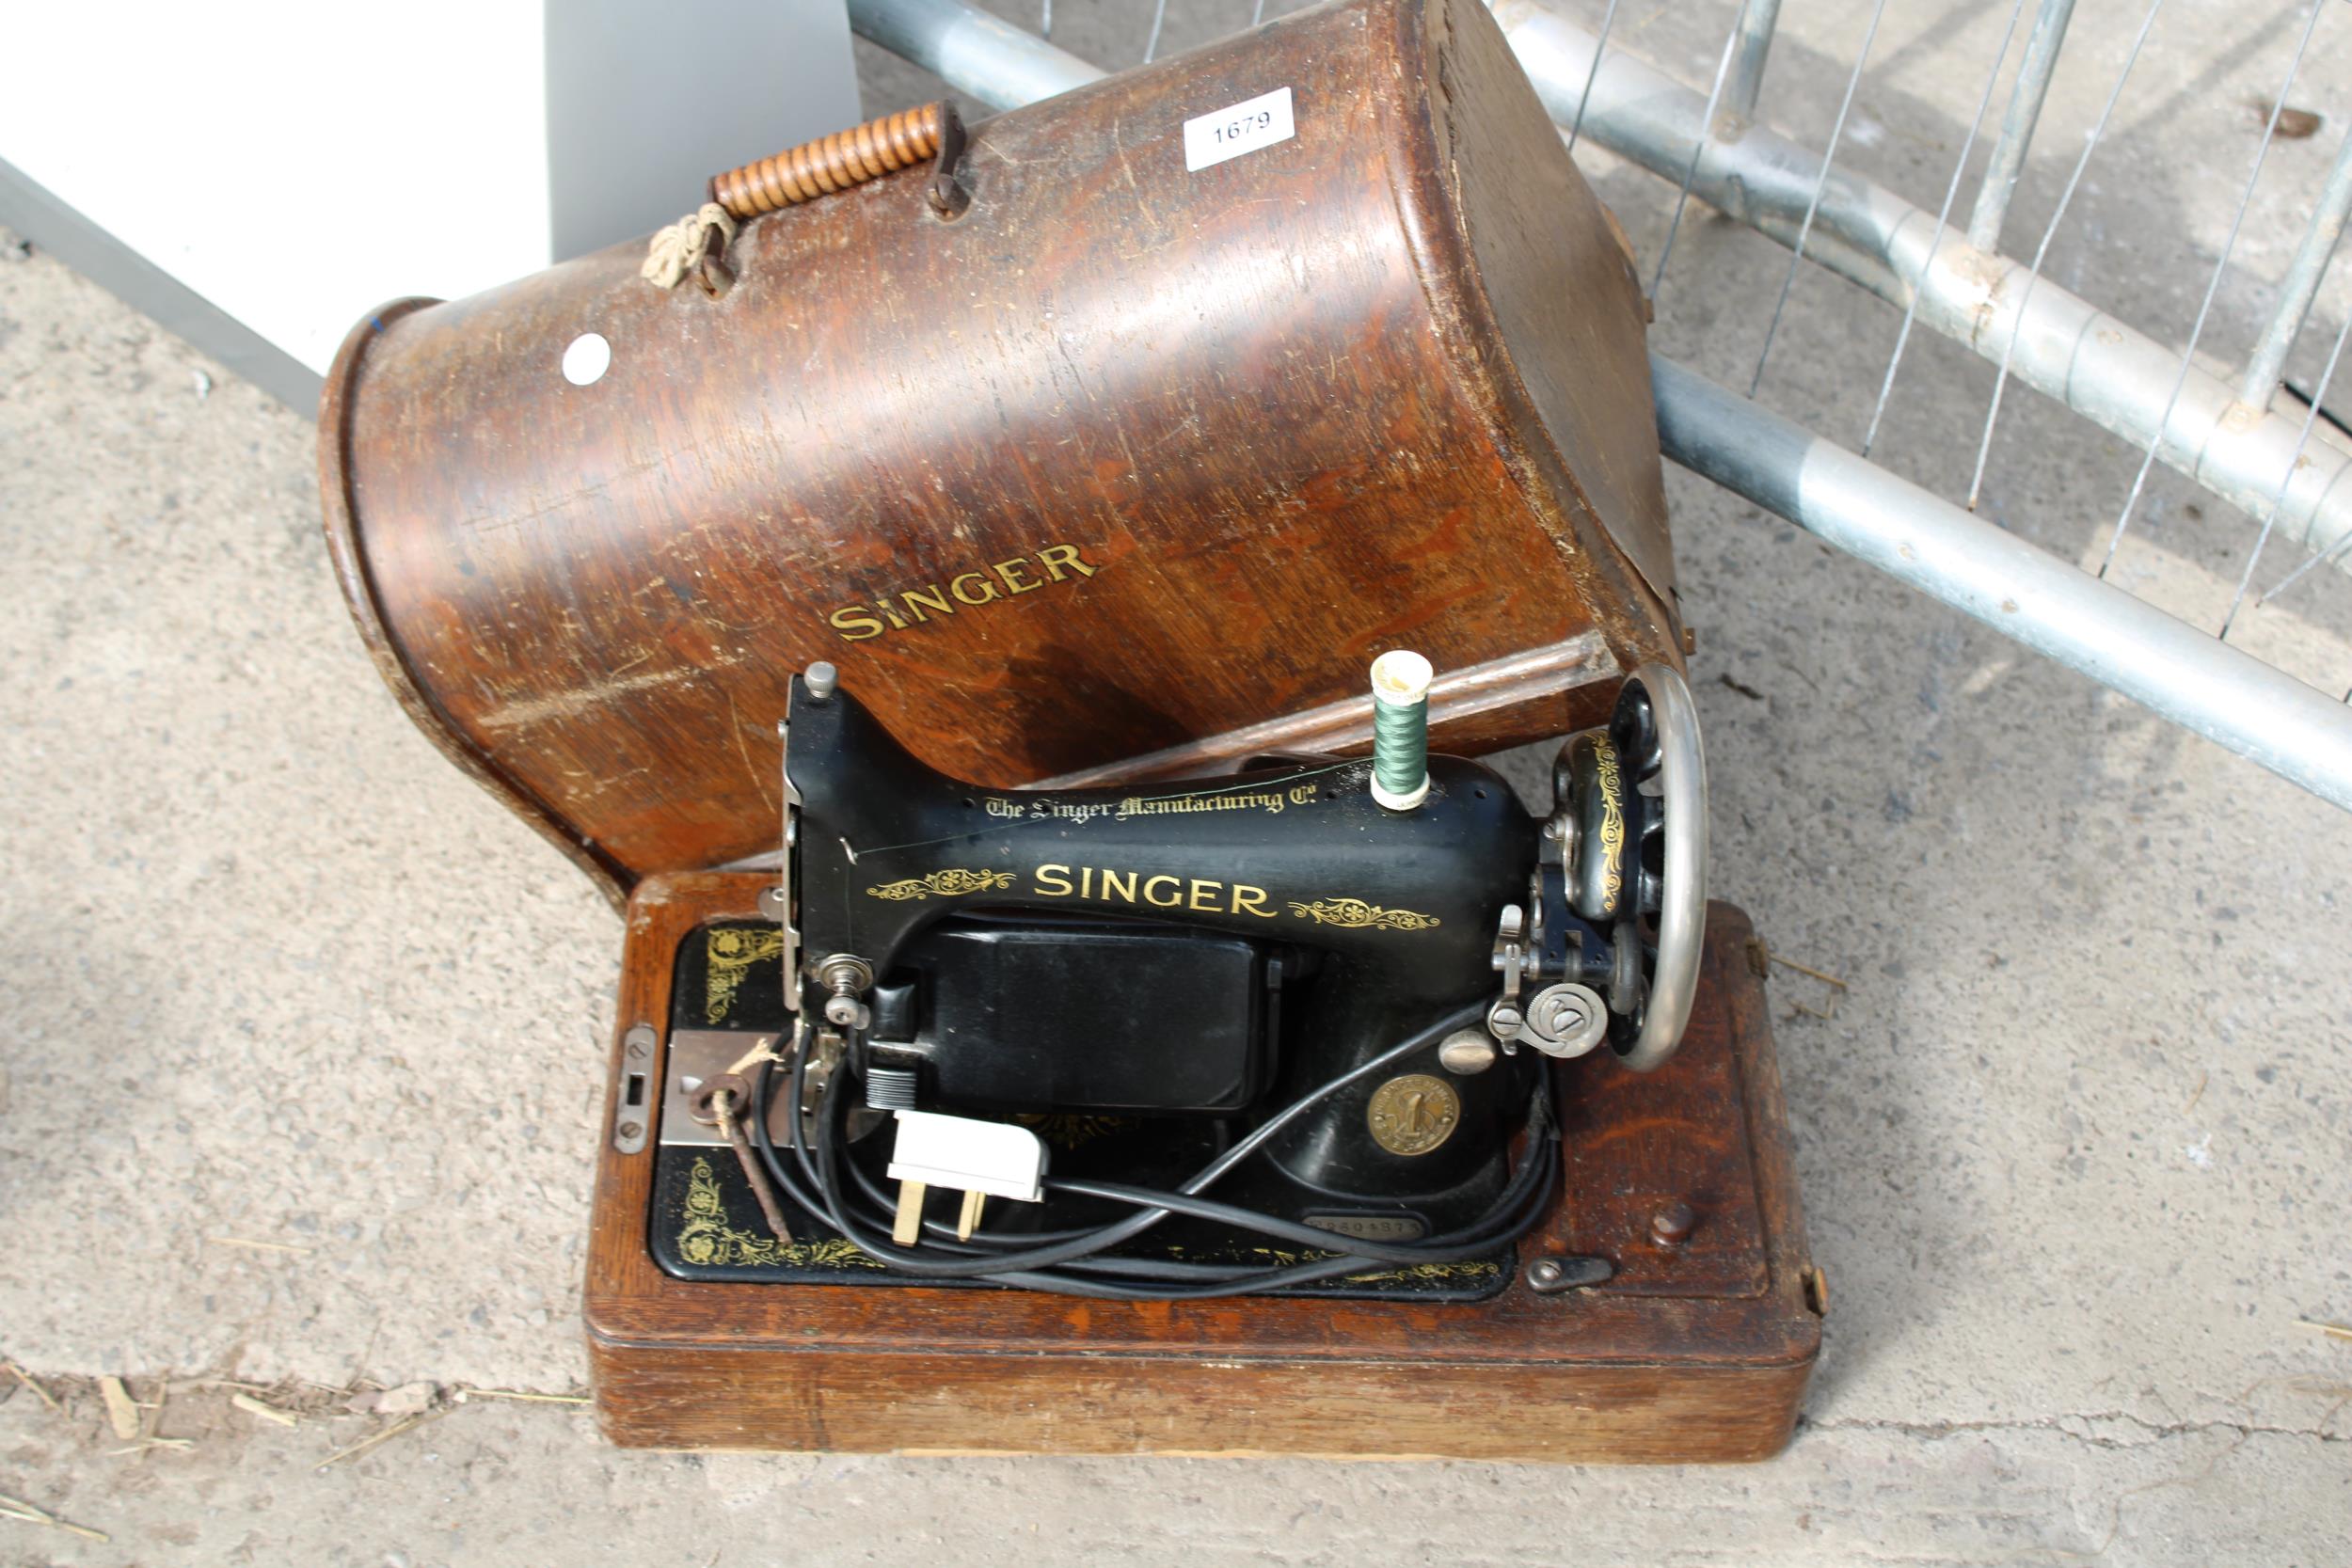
1112, 1056
1278, 1029
1281, 1109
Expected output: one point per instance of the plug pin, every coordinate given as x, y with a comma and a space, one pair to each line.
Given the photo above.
907, 1229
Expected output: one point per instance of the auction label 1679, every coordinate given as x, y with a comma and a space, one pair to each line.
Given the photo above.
1253, 123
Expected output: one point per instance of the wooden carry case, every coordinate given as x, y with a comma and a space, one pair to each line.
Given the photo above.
1697, 1350
1130, 468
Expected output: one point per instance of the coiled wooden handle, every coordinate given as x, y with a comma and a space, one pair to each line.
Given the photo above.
835, 163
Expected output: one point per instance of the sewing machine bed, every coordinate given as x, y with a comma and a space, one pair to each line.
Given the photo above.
705, 1333
704, 1222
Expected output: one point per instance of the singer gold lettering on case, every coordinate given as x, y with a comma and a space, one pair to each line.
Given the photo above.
986, 583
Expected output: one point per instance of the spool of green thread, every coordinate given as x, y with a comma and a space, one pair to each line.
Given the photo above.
1400, 729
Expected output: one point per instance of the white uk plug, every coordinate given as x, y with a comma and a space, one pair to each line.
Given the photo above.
979, 1159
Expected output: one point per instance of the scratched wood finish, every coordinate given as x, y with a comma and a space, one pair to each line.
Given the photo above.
1125, 461
1698, 1353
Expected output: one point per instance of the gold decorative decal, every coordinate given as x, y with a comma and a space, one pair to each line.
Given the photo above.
1479, 1268
1160, 889
1413, 1113
1356, 914
1074, 1129
706, 1237
1612, 819
1475, 1268
988, 583
731, 955
952, 884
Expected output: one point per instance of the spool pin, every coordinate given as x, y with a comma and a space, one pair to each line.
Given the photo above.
1400, 729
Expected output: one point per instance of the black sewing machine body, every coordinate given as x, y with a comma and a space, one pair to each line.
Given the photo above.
1178, 949
1145, 974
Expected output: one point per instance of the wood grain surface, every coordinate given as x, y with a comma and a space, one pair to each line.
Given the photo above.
1128, 460
1699, 1352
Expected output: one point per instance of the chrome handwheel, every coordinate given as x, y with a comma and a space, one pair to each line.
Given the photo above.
1655, 729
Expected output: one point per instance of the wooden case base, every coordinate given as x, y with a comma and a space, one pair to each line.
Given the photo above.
1697, 1352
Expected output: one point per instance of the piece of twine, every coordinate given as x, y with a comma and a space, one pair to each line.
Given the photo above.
764, 1050
686, 246
722, 1105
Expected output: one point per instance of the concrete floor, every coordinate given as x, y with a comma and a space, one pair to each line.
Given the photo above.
300, 1078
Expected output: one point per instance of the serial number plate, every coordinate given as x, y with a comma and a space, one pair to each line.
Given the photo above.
1253, 123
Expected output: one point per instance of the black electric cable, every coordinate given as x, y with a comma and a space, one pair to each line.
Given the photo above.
1296, 1232
1166, 1268
1302, 1273
1440, 1248
1238, 1282
1052, 1255
1447, 1248
1064, 1258
1134, 1225
1256, 1220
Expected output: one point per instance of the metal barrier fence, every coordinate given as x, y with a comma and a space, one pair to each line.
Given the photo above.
2285, 469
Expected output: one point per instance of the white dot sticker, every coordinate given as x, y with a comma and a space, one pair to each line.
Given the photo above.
587, 360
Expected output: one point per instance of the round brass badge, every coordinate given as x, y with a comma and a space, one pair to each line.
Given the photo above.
1413, 1113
